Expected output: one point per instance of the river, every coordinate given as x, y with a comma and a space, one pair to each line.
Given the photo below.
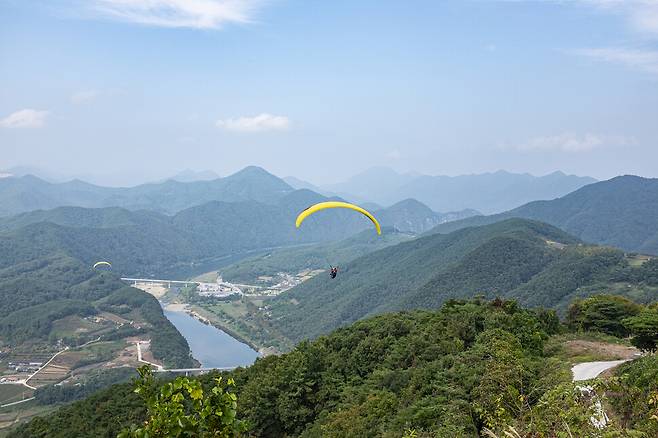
209, 345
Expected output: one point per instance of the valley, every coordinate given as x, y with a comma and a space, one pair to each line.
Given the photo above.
265, 291
289, 219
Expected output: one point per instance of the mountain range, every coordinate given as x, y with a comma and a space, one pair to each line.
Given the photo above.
621, 212
487, 192
28, 193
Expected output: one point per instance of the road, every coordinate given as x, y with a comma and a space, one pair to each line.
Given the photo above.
17, 402
590, 370
140, 359
44, 366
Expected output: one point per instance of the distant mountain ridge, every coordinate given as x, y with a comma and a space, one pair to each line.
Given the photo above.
487, 192
28, 193
413, 216
622, 212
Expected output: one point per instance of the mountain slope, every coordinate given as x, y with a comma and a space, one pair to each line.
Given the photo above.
42, 284
379, 281
516, 258
621, 212
488, 192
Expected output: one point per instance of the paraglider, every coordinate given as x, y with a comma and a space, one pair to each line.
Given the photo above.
97, 264
336, 204
333, 271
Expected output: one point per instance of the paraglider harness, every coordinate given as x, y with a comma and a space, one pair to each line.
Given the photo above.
333, 272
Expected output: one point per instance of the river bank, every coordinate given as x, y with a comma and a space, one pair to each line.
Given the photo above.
210, 345
196, 312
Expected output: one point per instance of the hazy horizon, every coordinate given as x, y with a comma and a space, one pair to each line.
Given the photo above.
122, 93
53, 176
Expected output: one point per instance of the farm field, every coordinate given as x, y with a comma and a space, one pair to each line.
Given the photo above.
10, 393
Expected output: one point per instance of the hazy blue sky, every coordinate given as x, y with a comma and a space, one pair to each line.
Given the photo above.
133, 90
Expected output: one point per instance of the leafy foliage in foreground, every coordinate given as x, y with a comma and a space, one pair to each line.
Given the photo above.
634, 394
183, 408
448, 372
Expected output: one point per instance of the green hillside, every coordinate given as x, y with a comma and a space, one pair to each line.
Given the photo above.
620, 212
533, 262
38, 289
146, 243
109, 217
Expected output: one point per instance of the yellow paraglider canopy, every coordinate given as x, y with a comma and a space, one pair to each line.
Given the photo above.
97, 264
336, 204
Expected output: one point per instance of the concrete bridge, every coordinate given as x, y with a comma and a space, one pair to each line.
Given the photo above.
134, 281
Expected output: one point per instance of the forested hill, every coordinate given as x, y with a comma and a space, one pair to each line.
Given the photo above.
536, 263
28, 193
621, 212
38, 288
146, 243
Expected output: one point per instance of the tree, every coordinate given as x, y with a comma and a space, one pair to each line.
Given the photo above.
602, 313
644, 328
182, 408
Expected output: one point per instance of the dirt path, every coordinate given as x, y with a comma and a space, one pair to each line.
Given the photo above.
600, 350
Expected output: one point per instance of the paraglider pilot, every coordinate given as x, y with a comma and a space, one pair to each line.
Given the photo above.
333, 272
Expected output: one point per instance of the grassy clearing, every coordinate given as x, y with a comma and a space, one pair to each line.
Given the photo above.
235, 309
98, 352
589, 347
72, 326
